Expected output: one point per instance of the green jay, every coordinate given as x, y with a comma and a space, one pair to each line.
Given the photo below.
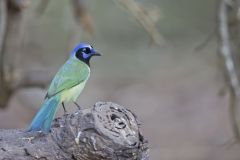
66, 86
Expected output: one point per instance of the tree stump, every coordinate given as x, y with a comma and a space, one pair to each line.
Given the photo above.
105, 131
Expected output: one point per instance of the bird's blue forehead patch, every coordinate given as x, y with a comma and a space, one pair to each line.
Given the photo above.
80, 46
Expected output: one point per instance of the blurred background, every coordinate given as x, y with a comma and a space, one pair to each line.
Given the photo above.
160, 59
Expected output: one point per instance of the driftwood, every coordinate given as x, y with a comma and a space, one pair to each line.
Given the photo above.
105, 131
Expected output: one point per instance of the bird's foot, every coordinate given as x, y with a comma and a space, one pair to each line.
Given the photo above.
78, 106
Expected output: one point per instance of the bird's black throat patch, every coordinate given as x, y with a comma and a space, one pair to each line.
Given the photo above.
79, 56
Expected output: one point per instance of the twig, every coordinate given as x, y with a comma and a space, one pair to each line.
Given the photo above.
146, 17
82, 16
231, 72
42, 7
202, 44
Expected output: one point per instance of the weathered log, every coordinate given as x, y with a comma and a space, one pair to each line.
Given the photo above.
105, 131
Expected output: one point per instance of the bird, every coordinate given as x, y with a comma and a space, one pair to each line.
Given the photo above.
66, 86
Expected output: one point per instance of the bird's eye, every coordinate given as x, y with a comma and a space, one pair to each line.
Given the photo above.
87, 50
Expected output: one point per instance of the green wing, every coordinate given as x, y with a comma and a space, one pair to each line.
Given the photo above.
72, 73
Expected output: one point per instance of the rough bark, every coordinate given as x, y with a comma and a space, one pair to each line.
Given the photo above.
105, 131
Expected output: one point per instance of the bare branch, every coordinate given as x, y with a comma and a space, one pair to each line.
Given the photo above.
18, 5
202, 44
146, 17
227, 54
82, 16
42, 7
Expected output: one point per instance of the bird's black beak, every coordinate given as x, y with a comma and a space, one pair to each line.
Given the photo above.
96, 54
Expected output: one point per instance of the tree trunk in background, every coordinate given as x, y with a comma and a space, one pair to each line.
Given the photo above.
3, 24
105, 131
12, 24
11, 37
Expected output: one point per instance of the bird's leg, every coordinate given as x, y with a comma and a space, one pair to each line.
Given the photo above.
79, 107
65, 111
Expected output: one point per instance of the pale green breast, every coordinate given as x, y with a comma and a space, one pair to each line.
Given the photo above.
70, 80
73, 93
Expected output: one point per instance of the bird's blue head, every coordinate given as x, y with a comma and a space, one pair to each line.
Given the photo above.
84, 52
